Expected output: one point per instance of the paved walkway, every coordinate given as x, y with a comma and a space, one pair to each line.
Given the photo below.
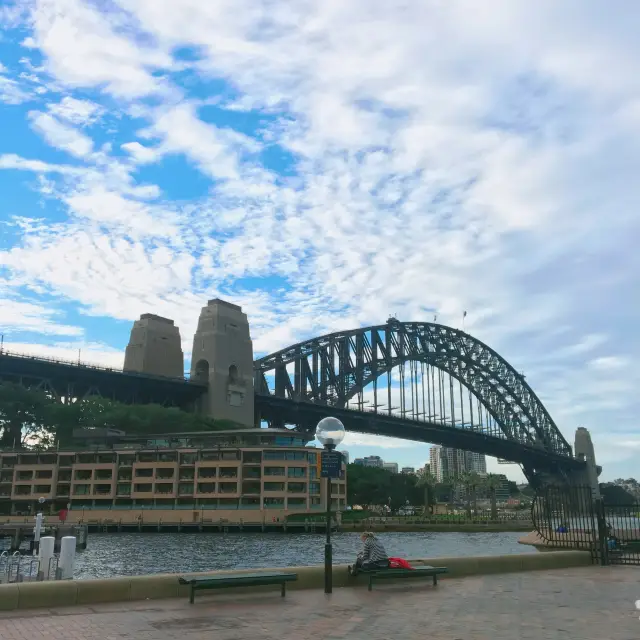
589, 603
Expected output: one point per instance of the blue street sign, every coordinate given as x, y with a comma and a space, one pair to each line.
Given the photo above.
331, 464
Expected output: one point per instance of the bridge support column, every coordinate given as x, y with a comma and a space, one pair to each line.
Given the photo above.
584, 450
222, 356
155, 347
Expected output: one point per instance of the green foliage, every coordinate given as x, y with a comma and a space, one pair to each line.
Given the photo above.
616, 495
32, 418
369, 486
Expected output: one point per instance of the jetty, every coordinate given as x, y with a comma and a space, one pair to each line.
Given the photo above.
19, 533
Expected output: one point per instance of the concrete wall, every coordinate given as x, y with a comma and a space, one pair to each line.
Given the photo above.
35, 595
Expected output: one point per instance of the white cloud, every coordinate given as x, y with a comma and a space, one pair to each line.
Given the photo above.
60, 135
29, 316
11, 92
77, 112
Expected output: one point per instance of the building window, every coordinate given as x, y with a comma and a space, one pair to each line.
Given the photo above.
188, 458
207, 472
24, 475
144, 473
126, 460
274, 503
228, 472
185, 489
187, 474
104, 474
144, 488
274, 486
102, 489
228, 487
124, 489
164, 474
84, 474
295, 455
64, 475
206, 487
274, 455
313, 472
297, 472
23, 490
314, 488
124, 474
81, 489
313, 458
274, 471
44, 473
296, 503
297, 487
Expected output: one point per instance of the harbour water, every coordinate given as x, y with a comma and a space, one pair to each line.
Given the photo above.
125, 554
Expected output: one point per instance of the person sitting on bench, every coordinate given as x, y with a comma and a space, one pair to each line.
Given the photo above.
372, 557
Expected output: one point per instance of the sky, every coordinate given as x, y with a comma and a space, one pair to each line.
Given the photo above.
325, 165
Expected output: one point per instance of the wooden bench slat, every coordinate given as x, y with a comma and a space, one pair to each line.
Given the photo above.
417, 572
198, 583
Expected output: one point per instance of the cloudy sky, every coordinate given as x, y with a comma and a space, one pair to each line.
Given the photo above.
325, 165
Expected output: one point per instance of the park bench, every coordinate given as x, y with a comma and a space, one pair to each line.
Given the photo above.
417, 573
236, 580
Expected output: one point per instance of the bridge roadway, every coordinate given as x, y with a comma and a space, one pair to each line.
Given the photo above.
78, 380
69, 379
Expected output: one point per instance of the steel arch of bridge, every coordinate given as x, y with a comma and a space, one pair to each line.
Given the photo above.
330, 370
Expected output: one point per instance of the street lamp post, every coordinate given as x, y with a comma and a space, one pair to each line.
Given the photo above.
330, 433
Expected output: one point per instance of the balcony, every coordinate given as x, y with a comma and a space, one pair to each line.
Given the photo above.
228, 487
164, 488
251, 488
102, 490
206, 487
228, 472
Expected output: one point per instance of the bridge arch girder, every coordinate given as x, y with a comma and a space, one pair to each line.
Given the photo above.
332, 369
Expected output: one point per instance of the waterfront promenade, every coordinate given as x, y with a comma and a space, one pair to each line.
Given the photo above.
590, 603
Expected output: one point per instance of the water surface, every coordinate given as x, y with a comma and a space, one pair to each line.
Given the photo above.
126, 554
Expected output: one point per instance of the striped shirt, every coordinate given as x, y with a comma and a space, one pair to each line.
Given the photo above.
373, 551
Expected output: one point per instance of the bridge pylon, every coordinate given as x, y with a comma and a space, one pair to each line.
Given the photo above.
222, 357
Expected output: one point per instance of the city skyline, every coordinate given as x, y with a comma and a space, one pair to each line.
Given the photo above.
311, 172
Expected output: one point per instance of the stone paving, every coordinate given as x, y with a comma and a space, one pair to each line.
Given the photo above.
576, 604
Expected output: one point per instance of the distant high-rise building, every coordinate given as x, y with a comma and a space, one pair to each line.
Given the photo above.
390, 466
408, 470
447, 462
345, 456
359, 461
373, 461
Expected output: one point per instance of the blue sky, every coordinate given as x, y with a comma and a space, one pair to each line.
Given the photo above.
326, 165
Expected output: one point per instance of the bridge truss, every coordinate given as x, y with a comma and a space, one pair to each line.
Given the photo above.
427, 381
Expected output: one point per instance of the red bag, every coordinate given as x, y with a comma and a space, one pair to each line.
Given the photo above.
399, 563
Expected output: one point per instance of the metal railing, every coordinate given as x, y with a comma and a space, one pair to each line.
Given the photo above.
23, 568
90, 365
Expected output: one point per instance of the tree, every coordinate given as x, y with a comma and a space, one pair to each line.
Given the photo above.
371, 486
34, 419
469, 480
24, 416
492, 482
427, 482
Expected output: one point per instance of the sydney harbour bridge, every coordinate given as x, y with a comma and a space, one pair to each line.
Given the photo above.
419, 381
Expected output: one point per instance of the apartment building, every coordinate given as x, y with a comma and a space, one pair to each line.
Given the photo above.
250, 474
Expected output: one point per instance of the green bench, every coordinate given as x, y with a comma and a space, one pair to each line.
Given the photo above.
236, 580
417, 573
